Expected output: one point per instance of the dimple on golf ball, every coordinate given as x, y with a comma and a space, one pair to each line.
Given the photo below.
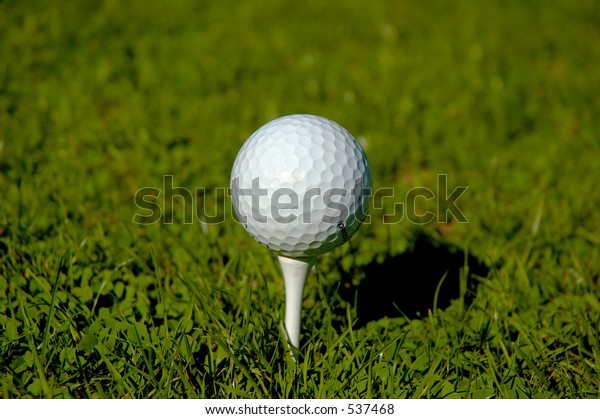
300, 185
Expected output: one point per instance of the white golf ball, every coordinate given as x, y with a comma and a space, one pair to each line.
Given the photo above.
301, 185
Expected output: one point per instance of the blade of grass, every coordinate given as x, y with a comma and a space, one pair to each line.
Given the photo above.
51, 308
38, 362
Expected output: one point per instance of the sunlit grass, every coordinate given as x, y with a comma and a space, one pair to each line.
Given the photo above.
100, 99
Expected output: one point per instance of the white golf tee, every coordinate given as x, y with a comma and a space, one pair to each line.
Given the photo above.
295, 271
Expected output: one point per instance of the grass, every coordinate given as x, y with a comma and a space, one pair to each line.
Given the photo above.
99, 99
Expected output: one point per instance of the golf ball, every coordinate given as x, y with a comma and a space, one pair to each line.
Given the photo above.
300, 185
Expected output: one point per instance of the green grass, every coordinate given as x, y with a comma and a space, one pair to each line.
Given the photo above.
101, 98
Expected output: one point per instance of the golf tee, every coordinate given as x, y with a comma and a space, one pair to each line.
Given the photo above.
295, 271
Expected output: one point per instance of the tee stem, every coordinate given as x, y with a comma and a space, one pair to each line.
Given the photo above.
295, 271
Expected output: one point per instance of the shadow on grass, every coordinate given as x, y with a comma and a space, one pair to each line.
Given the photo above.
406, 284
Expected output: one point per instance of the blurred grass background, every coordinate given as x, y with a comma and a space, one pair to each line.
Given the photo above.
101, 98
